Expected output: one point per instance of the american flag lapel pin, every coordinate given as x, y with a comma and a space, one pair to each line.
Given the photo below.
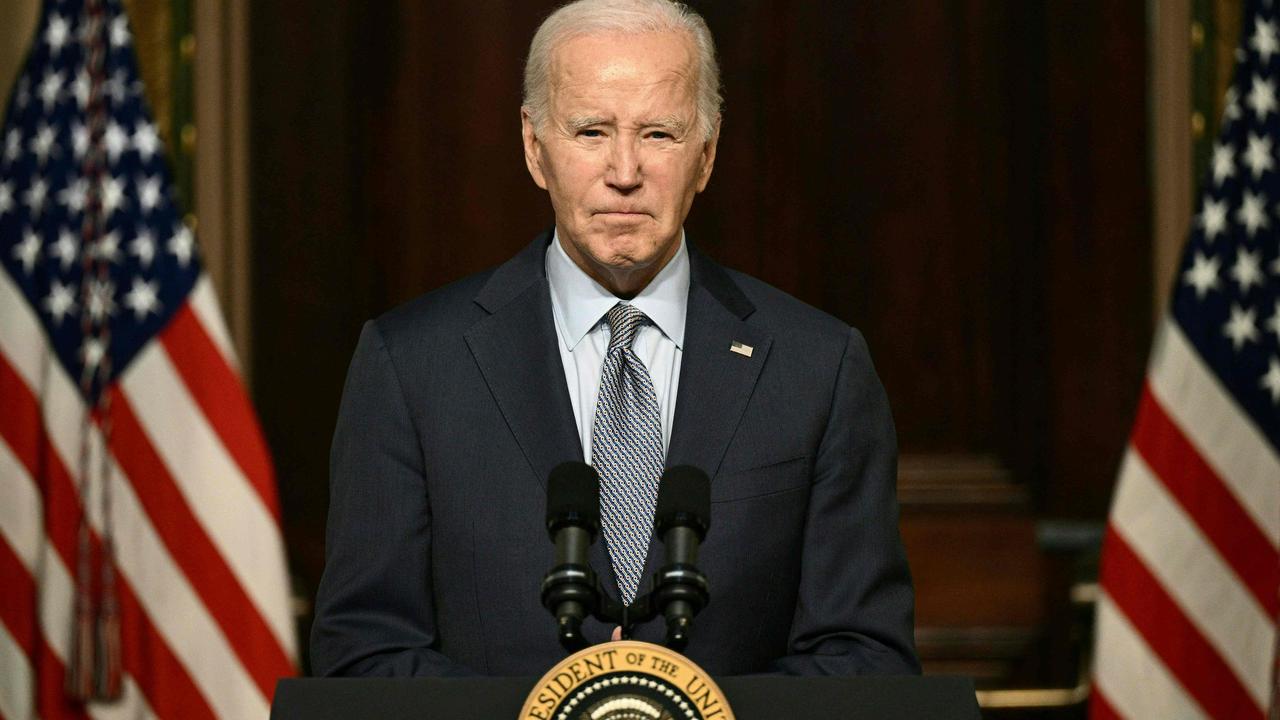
740, 348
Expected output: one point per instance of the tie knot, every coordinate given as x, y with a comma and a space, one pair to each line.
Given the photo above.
623, 321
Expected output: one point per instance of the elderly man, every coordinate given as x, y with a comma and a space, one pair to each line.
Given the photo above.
612, 340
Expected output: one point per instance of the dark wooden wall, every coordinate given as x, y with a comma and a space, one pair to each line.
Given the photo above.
964, 180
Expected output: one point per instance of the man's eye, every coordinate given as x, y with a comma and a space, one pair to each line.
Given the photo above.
660, 135
591, 133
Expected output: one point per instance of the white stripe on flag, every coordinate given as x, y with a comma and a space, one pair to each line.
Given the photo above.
230, 510
1130, 675
20, 512
1220, 431
21, 335
1195, 575
166, 596
176, 610
55, 586
17, 682
204, 303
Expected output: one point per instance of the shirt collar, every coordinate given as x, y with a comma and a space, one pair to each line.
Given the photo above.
580, 302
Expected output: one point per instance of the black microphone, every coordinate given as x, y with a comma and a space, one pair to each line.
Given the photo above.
573, 520
682, 518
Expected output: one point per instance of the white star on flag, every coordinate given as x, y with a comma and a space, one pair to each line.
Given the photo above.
113, 195
116, 141
13, 145
143, 247
81, 87
27, 251
43, 144
1258, 156
36, 195
107, 248
120, 36
60, 301
101, 301
65, 248
1264, 40
92, 352
1248, 270
149, 193
1271, 381
1224, 164
1262, 98
1203, 275
80, 140
1241, 327
117, 87
1213, 217
57, 34
182, 245
74, 194
146, 140
142, 298
1274, 323
6, 198
1252, 213
49, 90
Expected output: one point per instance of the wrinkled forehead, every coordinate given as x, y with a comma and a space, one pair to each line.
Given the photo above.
616, 59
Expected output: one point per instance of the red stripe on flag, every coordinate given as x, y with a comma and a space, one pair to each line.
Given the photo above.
160, 676
1208, 501
1100, 708
18, 601
1190, 658
194, 552
18, 614
217, 390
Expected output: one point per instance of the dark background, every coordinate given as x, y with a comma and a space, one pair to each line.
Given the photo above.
966, 181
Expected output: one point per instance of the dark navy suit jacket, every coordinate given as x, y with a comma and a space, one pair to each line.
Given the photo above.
455, 410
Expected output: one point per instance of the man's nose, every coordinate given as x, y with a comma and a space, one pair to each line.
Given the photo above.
624, 172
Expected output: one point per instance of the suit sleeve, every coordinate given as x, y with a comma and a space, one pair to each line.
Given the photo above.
855, 610
374, 607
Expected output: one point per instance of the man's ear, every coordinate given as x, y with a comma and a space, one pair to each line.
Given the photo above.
708, 159
532, 148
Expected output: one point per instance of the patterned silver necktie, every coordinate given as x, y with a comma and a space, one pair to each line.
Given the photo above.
626, 449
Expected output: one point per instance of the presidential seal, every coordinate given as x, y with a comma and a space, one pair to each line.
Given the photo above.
626, 680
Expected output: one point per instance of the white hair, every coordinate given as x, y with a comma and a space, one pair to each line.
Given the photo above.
632, 17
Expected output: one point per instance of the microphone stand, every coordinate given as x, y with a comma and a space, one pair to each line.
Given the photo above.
673, 584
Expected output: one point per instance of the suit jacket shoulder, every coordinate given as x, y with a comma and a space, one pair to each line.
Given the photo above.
789, 319
434, 323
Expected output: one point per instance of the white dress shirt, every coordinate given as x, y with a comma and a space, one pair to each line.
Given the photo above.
579, 305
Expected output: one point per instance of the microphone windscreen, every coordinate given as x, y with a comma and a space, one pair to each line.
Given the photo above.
573, 496
684, 498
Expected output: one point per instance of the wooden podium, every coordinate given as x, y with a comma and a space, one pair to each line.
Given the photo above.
752, 698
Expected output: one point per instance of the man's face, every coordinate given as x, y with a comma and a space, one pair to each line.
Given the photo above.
621, 153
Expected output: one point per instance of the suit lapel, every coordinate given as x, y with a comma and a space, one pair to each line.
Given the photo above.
515, 349
715, 381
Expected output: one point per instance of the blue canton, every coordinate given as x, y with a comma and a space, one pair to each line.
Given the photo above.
149, 253
1227, 295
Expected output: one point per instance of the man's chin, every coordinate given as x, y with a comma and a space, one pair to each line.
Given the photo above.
627, 250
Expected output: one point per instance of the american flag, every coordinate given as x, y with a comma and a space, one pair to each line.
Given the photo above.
1190, 573
148, 580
